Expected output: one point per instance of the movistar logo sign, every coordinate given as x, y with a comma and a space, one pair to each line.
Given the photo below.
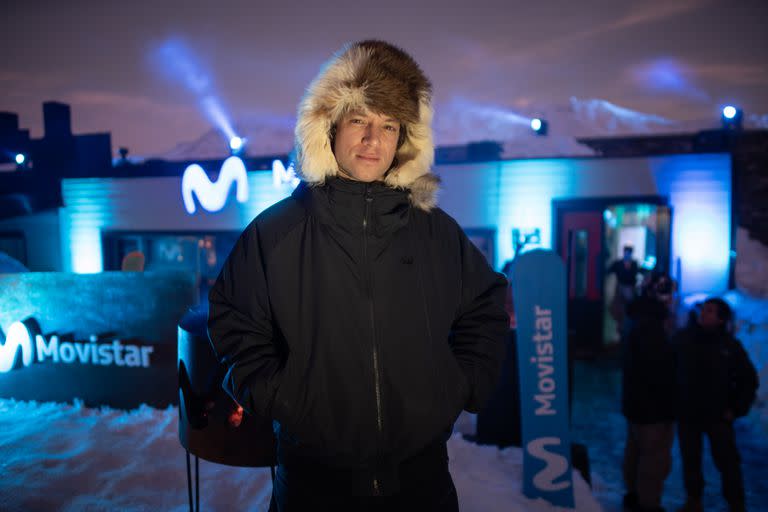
555, 465
281, 175
213, 195
24, 338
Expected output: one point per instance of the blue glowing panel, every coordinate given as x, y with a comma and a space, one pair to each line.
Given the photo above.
699, 190
469, 193
86, 211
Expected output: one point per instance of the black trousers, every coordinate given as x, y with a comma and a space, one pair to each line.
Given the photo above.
423, 489
647, 461
725, 454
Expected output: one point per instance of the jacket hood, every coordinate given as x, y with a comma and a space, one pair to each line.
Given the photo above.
370, 76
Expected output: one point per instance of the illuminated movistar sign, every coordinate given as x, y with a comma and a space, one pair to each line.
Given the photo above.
281, 175
35, 348
212, 195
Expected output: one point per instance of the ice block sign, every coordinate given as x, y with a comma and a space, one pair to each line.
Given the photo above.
106, 339
25, 340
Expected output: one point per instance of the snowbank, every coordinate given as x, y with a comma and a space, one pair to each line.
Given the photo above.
752, 330
72, 458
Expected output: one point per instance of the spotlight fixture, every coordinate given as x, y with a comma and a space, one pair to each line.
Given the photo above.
20, 158
236, 144
539, 126
731, 118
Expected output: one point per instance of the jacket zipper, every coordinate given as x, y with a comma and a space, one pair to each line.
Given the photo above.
376, 371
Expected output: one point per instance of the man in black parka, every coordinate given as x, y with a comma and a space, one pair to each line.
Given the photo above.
716, 383
355, 313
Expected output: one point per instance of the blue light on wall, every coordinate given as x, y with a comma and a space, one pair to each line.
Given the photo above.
699, 190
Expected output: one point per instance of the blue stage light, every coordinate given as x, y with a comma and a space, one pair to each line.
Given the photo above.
20, 158
729, 112
236, 144
536, 124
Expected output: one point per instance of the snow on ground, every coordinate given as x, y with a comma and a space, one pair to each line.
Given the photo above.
73, 458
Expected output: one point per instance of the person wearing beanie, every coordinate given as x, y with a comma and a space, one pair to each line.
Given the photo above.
355, 313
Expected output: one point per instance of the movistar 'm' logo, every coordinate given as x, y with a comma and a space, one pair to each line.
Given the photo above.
556, 465
281, 175
20, 337
213, 195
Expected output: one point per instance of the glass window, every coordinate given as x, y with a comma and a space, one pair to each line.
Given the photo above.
200, 254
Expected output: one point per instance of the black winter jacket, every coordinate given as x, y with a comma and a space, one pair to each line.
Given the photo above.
648, 378
360, 324
714, 375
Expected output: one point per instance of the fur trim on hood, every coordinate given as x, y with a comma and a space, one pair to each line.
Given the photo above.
375, 76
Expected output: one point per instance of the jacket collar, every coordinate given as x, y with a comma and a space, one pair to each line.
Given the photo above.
341, 203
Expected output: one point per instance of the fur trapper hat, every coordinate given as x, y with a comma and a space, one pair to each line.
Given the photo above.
379, 77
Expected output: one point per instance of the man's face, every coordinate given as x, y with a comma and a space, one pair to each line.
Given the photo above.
365, 145
708, 316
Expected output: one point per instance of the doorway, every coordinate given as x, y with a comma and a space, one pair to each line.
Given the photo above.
590, 234
645, 228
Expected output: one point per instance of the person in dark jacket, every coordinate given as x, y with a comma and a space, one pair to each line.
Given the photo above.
716, 383
626, 270
355, 313
648, 381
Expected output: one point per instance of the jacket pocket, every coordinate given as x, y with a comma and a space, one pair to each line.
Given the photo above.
453, 383
287, 405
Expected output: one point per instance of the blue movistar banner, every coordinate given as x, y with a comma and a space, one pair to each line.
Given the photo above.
538, 287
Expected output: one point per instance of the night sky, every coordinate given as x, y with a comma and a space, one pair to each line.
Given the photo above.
144, 69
